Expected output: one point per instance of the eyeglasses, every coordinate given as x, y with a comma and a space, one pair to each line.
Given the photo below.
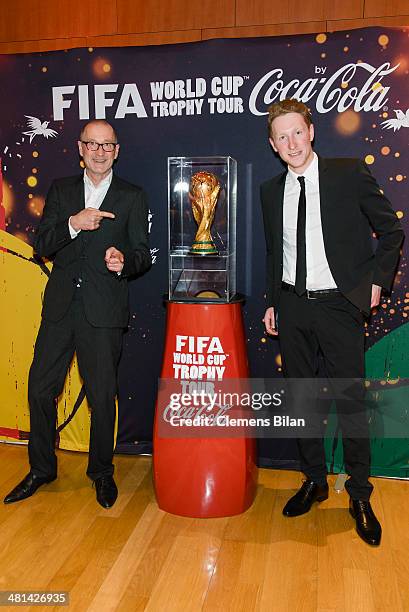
108, 147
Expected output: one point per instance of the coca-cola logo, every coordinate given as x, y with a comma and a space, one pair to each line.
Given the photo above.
329, 92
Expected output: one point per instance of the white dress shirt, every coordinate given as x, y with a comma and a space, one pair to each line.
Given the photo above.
94, 196
318, 273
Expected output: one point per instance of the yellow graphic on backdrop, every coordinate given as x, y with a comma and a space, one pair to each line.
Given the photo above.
22, 283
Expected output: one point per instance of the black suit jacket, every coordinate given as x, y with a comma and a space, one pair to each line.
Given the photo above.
352, 205
105, 293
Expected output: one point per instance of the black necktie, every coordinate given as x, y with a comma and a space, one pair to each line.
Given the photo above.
301, 267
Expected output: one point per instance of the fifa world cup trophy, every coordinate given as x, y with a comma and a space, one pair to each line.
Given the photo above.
204, 192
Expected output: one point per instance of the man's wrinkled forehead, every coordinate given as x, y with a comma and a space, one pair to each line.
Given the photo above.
98, 130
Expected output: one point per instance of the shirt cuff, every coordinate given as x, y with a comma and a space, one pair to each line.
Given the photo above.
73, 232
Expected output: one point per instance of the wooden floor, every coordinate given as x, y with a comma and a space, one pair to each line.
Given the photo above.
136, 557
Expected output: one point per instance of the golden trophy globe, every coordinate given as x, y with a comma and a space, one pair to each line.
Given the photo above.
203, 195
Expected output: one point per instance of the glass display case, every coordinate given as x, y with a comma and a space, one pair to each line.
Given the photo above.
202, 194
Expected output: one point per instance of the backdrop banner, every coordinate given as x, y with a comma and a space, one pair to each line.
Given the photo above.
196, 99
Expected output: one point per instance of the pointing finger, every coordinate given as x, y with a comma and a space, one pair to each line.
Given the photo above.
104, 213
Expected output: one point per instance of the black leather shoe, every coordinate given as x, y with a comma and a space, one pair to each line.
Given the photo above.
367, 525
26, 488
302, 501
107, 491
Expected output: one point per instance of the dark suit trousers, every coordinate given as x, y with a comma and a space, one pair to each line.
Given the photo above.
98, 350
334, 327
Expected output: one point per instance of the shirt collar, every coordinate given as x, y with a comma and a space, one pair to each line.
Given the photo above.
311, 173
104, 183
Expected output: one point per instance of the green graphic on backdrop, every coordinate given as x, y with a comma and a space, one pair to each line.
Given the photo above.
388, 362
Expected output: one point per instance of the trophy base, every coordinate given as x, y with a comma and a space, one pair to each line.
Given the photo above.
203, 247
207, 294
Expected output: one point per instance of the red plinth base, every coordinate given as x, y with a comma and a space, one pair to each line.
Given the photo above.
203, 477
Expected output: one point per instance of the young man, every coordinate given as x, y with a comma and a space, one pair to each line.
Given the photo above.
322, 278
95, 227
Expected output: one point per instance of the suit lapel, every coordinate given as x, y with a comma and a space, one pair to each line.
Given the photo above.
108, 205
112, 195
325, 195
277, 199
77, 204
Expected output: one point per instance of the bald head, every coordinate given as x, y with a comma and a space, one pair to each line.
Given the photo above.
98, 123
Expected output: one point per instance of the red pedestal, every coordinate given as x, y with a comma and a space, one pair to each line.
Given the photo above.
205, 477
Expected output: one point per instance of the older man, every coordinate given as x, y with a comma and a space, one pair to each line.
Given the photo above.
322, 278
94, 226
